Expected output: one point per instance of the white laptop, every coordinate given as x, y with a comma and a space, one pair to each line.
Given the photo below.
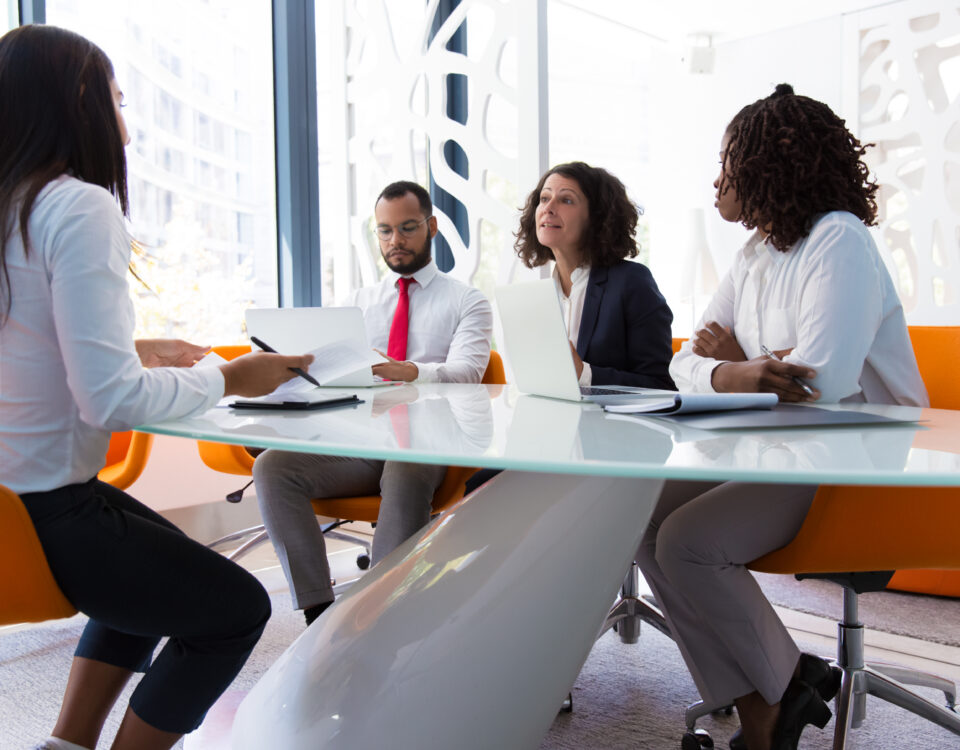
298, 330
535, 339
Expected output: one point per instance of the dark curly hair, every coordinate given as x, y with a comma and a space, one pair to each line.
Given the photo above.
612, 218
789, 158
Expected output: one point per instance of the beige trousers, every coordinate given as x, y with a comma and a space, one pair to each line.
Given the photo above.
693, 555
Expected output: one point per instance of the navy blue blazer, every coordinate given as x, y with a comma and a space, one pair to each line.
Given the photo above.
625, 332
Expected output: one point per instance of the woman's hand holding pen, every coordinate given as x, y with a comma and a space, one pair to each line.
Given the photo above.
260, 373
764, 375
717, 342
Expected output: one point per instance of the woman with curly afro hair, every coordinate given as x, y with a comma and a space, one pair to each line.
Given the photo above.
618, 322
809, 312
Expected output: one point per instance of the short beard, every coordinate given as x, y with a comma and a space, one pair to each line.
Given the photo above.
420, 259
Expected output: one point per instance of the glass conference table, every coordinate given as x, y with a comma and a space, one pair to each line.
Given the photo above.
471, 633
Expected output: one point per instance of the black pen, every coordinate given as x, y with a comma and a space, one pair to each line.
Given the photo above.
305, 375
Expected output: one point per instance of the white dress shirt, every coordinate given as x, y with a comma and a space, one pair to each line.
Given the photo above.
830, 299
450, 324
572, 307
69, 371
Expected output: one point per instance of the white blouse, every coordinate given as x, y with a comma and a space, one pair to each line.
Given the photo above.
830, 299
572, 308
69, 371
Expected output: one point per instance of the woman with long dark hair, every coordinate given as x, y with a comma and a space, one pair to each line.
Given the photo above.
70, 373
810, 288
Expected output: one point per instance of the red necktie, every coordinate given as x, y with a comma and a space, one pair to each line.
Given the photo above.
400, 420
397, 343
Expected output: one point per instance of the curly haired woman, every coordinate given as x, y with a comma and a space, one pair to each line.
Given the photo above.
811, 287
617, 321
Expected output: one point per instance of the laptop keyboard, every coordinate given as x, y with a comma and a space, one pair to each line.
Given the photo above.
586, 390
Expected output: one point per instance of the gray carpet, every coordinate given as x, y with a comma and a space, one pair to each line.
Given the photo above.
930, 618
626, 696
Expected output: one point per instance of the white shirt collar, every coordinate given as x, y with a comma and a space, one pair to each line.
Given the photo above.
578, 275
755, 244
423, 277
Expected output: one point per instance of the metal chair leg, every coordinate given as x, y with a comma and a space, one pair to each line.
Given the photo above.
235, 536
860, 680
921, 679
844, 710
249, 545
890, 690
630, 610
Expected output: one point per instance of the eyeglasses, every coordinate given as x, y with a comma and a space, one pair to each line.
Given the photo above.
407, 229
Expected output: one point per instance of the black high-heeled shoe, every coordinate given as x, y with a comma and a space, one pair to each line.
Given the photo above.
820, 675
817, 673
736, 740
800, 705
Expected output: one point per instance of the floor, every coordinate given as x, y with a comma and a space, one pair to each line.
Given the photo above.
207, 521
882, 647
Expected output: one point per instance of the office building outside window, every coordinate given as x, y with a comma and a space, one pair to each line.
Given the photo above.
198, 85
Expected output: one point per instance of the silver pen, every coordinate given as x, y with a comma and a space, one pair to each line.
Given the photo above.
806, 388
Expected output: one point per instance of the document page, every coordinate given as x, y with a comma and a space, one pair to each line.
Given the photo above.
689, 403
340, 358
330, 362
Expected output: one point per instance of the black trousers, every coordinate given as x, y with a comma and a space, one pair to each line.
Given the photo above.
139, 578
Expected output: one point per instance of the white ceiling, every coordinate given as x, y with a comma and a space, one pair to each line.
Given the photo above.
677, 21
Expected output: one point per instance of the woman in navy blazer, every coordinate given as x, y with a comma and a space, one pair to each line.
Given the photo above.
618, 322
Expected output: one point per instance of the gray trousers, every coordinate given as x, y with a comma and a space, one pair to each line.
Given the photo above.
287, 482
693, 555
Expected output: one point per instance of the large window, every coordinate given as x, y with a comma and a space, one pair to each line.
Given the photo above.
198, 83
428, 92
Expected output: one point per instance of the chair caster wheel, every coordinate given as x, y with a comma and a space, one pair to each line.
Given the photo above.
696, 740
363, 561
725, 711
567, 706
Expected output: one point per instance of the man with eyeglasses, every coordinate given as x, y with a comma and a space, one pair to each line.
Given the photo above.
429, 327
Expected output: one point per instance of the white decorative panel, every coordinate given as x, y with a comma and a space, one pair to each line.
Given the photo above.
909, 84
390, 112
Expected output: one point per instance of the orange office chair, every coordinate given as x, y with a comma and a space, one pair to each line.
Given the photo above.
28, 592
228, 459
940, 379
126, 458
234, 459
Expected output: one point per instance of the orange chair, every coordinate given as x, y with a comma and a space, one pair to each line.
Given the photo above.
861, 530
234, 459
227, 459
126, 458
940, 380
28, 592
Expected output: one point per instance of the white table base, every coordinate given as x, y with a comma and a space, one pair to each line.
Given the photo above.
470, 634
